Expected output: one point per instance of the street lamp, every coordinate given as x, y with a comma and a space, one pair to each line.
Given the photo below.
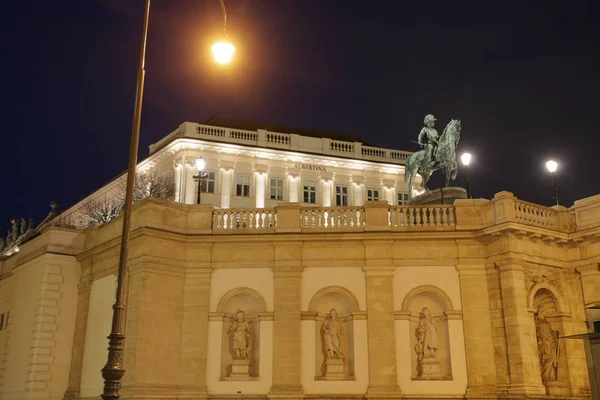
200, 164
552, 167
113, 369
466, 160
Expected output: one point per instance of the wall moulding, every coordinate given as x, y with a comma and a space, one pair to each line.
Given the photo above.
242, 291
426, 288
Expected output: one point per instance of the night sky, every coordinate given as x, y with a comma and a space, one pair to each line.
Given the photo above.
522, 77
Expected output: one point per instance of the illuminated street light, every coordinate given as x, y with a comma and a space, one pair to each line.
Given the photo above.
113, 369
223, 52
222, 49
466, 160
552, 167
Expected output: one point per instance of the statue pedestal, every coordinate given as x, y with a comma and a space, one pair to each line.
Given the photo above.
445, 195
430, 369
556, 388
240, 370
334, 369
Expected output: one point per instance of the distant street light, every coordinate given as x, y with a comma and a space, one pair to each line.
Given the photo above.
552, 167
466, 160
113, 369
200, 164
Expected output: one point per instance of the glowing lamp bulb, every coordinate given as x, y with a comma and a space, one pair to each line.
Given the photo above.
200, 164
223, 52
466, 159
552, 166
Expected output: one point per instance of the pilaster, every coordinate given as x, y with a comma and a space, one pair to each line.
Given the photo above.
479, 344
520, 331
287, 279
381, 341
194, 333
153, 328
81, 319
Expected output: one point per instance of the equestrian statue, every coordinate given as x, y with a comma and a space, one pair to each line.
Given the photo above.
439, 153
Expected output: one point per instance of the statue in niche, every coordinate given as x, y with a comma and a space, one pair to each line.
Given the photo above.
332, 332
241, 334
548, 349
427, 334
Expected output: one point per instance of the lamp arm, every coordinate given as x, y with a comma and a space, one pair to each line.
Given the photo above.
222, 3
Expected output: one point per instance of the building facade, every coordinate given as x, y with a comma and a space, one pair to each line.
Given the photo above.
282, 285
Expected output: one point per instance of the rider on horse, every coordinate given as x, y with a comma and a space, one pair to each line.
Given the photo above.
428, 137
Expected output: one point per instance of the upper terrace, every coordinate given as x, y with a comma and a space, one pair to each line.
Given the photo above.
301, 142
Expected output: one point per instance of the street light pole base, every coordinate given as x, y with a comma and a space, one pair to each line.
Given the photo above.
113, 370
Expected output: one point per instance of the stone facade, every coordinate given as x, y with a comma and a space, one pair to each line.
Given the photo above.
481, 274
431, 301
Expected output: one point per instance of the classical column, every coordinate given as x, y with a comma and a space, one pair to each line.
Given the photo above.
358, 193
226, 174
521, 343
178, 166
261, 178
294, 182
383, 372
83, 305
477, 322
287, 281
326, 192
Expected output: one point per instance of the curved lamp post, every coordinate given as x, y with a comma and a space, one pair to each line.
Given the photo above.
113, 369
466, 160
552, 166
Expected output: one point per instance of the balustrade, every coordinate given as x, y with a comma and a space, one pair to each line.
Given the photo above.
332, 218
342, 147
279, 138
244, 220
532, 214
248, 136
433, 216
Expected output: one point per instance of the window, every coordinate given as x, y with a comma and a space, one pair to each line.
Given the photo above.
372, 194
276, 189
310, 192
208, 182
341, 195
596, 326
242, 187
402, 199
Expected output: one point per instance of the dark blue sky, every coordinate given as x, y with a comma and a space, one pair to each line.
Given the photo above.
522, 76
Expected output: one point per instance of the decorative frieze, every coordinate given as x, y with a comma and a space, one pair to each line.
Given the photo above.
539, 274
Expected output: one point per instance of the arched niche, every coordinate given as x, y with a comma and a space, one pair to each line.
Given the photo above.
252, 303
544, 297
428, 306
545, 294
345, 304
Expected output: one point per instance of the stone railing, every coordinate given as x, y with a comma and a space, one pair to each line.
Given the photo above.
535, 215
286, 141
330, 218
419, 217
244, 220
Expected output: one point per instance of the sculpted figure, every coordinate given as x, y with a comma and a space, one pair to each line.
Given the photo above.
23, 227
240, 336
15, 230
547, 340
332, 332
428, 138
426, 336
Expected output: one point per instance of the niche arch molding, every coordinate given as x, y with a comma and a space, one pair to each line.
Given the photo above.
242, 291
426, 289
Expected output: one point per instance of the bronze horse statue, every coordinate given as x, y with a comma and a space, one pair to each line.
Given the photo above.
444, 157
